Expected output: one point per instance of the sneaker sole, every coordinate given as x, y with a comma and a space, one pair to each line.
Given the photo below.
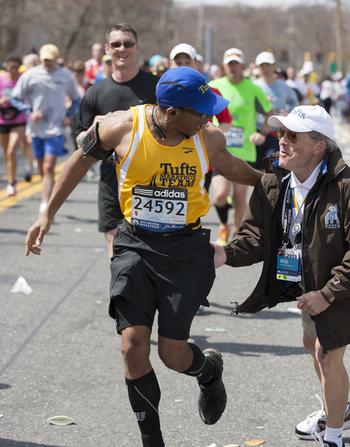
308, 436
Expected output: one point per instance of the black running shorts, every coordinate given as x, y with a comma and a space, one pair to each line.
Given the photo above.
109, 213
169, 273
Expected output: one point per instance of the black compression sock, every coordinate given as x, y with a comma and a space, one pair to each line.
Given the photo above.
144, 397
201, 367
223, 212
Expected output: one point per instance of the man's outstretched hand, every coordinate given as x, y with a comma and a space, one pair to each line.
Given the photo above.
36, 235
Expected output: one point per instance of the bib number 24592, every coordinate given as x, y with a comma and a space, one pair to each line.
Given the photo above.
159, 209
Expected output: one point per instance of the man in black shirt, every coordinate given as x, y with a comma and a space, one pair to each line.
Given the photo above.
126, 87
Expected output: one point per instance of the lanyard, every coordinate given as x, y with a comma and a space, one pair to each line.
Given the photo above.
290, 206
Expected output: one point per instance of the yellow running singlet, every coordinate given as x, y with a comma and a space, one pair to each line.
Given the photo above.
161, 188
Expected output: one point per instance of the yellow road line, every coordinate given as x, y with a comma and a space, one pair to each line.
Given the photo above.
24, 191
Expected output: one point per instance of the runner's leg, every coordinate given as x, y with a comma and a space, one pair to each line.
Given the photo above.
143, 388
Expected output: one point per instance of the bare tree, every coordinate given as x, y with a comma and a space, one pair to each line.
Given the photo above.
161, 24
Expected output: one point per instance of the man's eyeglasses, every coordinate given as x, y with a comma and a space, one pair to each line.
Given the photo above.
126, 44
292, 136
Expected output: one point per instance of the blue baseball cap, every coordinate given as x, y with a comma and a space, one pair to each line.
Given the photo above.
186, 87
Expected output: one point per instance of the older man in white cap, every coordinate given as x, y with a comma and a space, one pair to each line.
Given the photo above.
298, 223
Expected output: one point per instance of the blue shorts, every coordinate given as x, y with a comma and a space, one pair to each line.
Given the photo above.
48, 146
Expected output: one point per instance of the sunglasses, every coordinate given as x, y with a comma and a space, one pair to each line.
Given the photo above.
292, 136
126, 44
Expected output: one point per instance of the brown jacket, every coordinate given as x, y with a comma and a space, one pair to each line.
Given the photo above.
325, 247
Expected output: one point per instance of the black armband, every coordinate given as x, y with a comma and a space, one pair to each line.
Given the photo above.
262, 132
90, 144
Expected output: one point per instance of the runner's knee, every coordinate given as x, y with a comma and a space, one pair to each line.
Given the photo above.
135, 346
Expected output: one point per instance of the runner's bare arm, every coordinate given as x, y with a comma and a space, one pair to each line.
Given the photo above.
225, 164
73, 171
115, 132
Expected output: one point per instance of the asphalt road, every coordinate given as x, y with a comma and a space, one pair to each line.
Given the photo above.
59, 352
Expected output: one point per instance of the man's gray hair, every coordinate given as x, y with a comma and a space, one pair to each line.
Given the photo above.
330, 144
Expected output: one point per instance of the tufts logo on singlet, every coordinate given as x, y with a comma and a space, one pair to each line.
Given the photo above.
177, 176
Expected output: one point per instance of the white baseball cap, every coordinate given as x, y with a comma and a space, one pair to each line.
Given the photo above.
306, 119
265, 58
183, 48
233, 54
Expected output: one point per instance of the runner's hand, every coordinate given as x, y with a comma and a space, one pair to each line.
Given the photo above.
36, 116
312, 302
220, 255
36, 235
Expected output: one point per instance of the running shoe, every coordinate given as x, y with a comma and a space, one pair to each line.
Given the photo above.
28, 174
223, 235
316, 423
11, 190
212, 398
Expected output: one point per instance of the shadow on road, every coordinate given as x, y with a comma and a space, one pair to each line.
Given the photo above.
11, 443
79, 219
249, 349
215, 309
13, 231
270, 315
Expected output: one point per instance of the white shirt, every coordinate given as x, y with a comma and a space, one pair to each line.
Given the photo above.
300, 191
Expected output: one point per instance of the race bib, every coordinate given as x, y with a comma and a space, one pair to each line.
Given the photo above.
159, 209
289, 265
235, 137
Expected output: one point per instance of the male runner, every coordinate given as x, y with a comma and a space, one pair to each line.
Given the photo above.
126, 87
162, 259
